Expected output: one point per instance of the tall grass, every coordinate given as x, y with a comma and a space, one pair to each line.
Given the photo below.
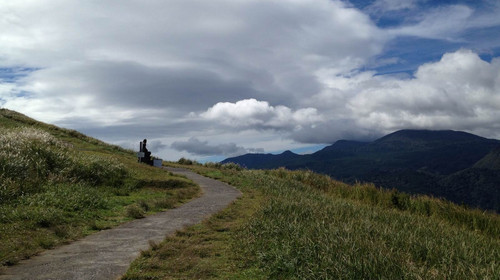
229, 165
186, 161
31, 158
55, 187
11, 119
457, 215
307, 226
304, 234
216, 165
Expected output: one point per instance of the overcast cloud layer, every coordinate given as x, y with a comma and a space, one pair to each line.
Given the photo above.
222, 78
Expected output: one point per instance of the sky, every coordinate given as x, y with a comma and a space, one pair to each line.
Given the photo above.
208, 80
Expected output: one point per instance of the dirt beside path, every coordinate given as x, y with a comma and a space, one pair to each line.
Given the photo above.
108, 254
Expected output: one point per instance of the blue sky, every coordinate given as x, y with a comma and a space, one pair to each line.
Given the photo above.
412, 51
212, 79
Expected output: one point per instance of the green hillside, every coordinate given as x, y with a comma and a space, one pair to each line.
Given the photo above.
482, 178
412, 161
490, 161
301, 225
57, 185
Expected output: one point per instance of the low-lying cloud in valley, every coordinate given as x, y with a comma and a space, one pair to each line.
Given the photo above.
202, 148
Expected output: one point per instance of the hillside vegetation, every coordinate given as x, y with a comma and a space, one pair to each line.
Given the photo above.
302, 225
458, 166
57, 185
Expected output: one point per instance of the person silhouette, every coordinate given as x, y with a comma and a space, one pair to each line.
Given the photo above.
147, 153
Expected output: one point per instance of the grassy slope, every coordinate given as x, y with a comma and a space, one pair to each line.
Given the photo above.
57, 185
300, 225
435, 163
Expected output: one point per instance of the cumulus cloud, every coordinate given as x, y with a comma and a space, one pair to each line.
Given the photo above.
268, 72
161, 53
203, 148
461, 91
251, 113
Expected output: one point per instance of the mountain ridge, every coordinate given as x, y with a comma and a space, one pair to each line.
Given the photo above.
412, 161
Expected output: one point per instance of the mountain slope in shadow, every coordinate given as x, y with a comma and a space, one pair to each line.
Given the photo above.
456, 165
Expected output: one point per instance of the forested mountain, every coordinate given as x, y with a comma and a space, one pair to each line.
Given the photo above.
456, 165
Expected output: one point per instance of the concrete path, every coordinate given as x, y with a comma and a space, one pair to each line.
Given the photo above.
108, 254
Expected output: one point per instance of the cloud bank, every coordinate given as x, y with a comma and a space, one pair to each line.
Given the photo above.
461, 91
250, 113
203, 148
248, 75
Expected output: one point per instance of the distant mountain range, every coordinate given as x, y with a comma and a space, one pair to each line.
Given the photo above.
459, 166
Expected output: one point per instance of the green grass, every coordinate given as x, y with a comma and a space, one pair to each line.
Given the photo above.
203, 251
57, 185
456, 215
301, 225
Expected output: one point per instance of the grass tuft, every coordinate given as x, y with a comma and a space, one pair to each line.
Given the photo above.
134, 211
165, 203
144, 205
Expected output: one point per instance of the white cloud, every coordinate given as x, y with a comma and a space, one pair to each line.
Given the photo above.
202, 148
251, 114
129, 55
8, 91
127, 70
446, 22
461, 91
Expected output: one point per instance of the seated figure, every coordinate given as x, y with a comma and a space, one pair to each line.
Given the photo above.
147, 154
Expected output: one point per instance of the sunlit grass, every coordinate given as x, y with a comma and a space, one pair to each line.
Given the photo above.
204, 251
58, 185
301, 225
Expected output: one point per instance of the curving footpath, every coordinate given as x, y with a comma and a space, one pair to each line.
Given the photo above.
108, 254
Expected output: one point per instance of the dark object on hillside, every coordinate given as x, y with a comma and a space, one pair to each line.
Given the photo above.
461, 167
144, 154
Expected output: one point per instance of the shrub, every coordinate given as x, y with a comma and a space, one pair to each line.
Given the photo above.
186, 193
164, 184
98, 171
166, 203
43, 216
134, 211
232, 166
30, 158
31, 154
144, 205
9, 189
399, 200
216, 165
225, 166
62, 231
185, 161
67, 197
